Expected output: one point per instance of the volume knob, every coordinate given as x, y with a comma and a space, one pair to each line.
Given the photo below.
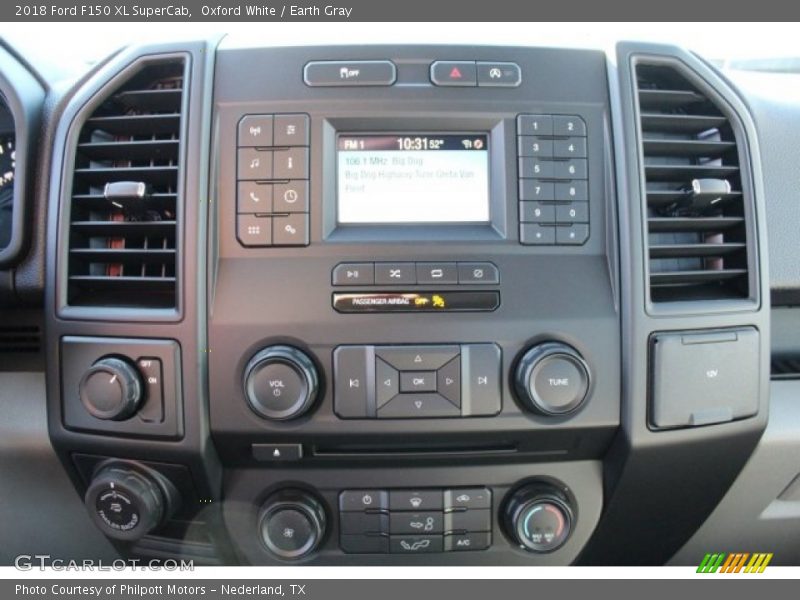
280, 383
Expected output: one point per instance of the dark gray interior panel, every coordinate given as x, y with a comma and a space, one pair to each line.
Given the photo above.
761, 511
39, 510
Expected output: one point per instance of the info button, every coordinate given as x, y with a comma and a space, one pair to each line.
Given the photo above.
332, 73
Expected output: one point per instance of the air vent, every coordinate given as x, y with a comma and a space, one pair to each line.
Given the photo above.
20, 339
785, 367
696, 215
125, 201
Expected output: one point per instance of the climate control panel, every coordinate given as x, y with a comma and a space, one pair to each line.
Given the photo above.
415, 521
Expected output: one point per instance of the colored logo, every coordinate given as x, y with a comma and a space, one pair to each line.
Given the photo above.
736, 562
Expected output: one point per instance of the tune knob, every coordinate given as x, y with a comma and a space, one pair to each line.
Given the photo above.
111, 389
280, 383
539, 517
552, 379
127, 504
292, 524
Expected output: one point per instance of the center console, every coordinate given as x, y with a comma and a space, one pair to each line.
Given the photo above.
414, 337
365, 305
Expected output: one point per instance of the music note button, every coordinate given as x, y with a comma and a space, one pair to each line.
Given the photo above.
254, 164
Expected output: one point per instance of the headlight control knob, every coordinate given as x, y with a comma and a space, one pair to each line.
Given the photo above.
111, 389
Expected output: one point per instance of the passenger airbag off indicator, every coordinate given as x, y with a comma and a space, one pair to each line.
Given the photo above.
377, 302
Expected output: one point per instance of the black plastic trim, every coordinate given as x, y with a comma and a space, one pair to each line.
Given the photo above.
24, 96
660, 486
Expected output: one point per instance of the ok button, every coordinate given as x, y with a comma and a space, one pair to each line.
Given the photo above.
418, 381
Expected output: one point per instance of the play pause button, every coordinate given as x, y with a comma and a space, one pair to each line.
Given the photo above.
354, 274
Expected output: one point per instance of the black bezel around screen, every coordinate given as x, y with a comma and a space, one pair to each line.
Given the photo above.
500, 142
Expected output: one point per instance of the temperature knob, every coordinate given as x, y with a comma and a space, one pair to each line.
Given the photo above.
539, 517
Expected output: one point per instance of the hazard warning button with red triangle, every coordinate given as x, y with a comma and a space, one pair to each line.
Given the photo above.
454, 73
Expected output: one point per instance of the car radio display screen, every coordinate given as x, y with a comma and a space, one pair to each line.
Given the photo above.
413, 178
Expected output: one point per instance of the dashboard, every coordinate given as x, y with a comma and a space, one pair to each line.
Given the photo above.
378, 305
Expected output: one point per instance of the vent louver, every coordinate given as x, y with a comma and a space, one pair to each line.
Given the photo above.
125, 200
17, 339
696, 216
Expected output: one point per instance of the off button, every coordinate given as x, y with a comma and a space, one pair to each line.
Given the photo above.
331, 73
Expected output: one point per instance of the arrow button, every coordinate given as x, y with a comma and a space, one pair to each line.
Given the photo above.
419, 406
387, 382
448, 381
